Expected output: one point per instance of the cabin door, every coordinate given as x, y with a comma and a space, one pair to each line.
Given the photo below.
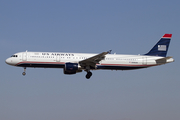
144, 60
24, 56
57, 58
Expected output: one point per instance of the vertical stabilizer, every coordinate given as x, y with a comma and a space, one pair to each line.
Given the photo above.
161, 48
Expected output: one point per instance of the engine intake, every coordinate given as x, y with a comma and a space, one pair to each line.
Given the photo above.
70, 68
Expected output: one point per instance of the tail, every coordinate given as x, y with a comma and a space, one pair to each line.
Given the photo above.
161, 48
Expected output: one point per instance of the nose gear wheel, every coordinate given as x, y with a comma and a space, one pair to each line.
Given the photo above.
24, 73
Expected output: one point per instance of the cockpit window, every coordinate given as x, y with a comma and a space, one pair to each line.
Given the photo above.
14, 56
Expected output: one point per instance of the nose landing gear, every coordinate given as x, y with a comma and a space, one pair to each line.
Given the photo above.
24, 73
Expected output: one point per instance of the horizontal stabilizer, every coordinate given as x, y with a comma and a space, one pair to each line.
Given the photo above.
164, 60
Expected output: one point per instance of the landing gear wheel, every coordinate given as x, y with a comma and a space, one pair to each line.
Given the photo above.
23, 73
88, 75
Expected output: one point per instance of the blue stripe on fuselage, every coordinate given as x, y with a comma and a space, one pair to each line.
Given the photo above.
41, 65
120, 67
106, 67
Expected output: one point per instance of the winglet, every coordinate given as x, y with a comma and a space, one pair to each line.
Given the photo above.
109, 51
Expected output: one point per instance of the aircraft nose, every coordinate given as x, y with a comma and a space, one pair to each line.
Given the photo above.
8, 61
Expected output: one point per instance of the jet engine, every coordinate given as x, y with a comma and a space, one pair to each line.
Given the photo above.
71, 68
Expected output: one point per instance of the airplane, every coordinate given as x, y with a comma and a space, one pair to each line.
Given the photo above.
73, 63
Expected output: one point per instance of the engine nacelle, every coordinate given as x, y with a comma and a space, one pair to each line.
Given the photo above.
71, 68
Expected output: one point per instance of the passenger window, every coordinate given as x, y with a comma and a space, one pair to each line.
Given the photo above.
14, 56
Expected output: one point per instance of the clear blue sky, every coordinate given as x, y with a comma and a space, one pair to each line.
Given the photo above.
93, 26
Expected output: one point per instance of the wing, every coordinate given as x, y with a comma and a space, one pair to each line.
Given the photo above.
92, 61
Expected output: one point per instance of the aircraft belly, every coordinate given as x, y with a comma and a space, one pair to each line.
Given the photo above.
41, 64
111, 67
124, 65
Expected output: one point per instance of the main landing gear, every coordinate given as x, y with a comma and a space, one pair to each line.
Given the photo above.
24, 73
88, 75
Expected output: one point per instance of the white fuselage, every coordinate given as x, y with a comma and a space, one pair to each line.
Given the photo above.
58, 60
